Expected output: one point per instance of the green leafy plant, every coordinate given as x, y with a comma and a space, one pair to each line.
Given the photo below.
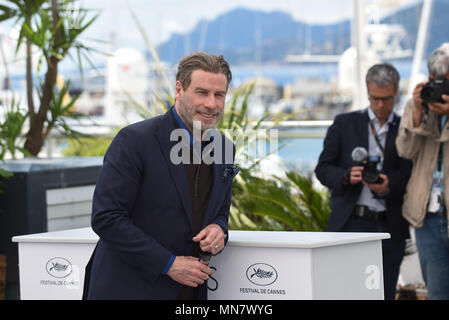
87, 147
11, 129
276, 203
60, 111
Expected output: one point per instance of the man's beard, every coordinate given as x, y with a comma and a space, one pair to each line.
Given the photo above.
191, 116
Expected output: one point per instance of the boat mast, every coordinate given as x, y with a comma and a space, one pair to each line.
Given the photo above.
420, 44
359, 41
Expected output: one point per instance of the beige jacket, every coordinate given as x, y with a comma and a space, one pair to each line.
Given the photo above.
421, 145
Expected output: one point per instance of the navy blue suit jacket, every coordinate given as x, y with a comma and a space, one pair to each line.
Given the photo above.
350, 130
142, 213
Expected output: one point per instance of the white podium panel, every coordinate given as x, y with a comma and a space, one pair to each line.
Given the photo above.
254, 265
298, 265
51, 265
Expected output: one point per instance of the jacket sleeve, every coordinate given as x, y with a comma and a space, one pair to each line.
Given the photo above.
398, 179
328, 170
223, 214
114, 197
410, 140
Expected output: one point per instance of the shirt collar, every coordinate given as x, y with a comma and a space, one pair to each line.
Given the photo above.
182, 125
179, 121
373, 117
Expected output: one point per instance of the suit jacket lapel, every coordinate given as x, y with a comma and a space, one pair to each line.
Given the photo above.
219, 187
177, 172
217, 190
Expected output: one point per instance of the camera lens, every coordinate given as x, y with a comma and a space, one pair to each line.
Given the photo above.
429, 94
370, 174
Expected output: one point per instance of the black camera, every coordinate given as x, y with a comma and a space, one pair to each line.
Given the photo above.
433, 90
370, 174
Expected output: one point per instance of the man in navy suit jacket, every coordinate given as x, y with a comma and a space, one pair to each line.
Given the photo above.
155, 215
358, 206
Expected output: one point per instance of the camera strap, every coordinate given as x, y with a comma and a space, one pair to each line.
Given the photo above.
440, 158
441, 122
377, 138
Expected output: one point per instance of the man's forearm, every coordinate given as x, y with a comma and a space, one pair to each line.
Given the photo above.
417, 117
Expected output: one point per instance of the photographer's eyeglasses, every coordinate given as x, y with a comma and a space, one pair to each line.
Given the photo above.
377, 100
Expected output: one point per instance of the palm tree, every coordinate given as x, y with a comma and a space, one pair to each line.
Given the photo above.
23, 11
43, 26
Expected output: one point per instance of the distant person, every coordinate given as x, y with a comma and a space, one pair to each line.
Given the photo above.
423, 137
159, 219
364, 198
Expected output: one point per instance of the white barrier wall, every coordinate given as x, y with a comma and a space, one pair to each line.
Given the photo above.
51, 264
298, 265
254, 265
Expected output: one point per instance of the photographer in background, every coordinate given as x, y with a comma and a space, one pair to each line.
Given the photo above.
358, 143
422, 137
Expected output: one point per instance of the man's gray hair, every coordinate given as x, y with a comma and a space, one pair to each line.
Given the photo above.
202, 61
438, 62
383, 74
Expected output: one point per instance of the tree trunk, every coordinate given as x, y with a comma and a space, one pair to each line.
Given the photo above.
29, 75
35, 137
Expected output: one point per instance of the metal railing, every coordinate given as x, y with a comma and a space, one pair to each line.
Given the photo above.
286, 130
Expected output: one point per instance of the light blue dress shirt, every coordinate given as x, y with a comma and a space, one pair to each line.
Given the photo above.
366, 197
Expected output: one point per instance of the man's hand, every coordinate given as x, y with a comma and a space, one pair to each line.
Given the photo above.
440, 108
189, 271
418, 104
355, 175
211, 239
379, 188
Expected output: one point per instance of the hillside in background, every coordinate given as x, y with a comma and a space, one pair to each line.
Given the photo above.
250, 36
244, 35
